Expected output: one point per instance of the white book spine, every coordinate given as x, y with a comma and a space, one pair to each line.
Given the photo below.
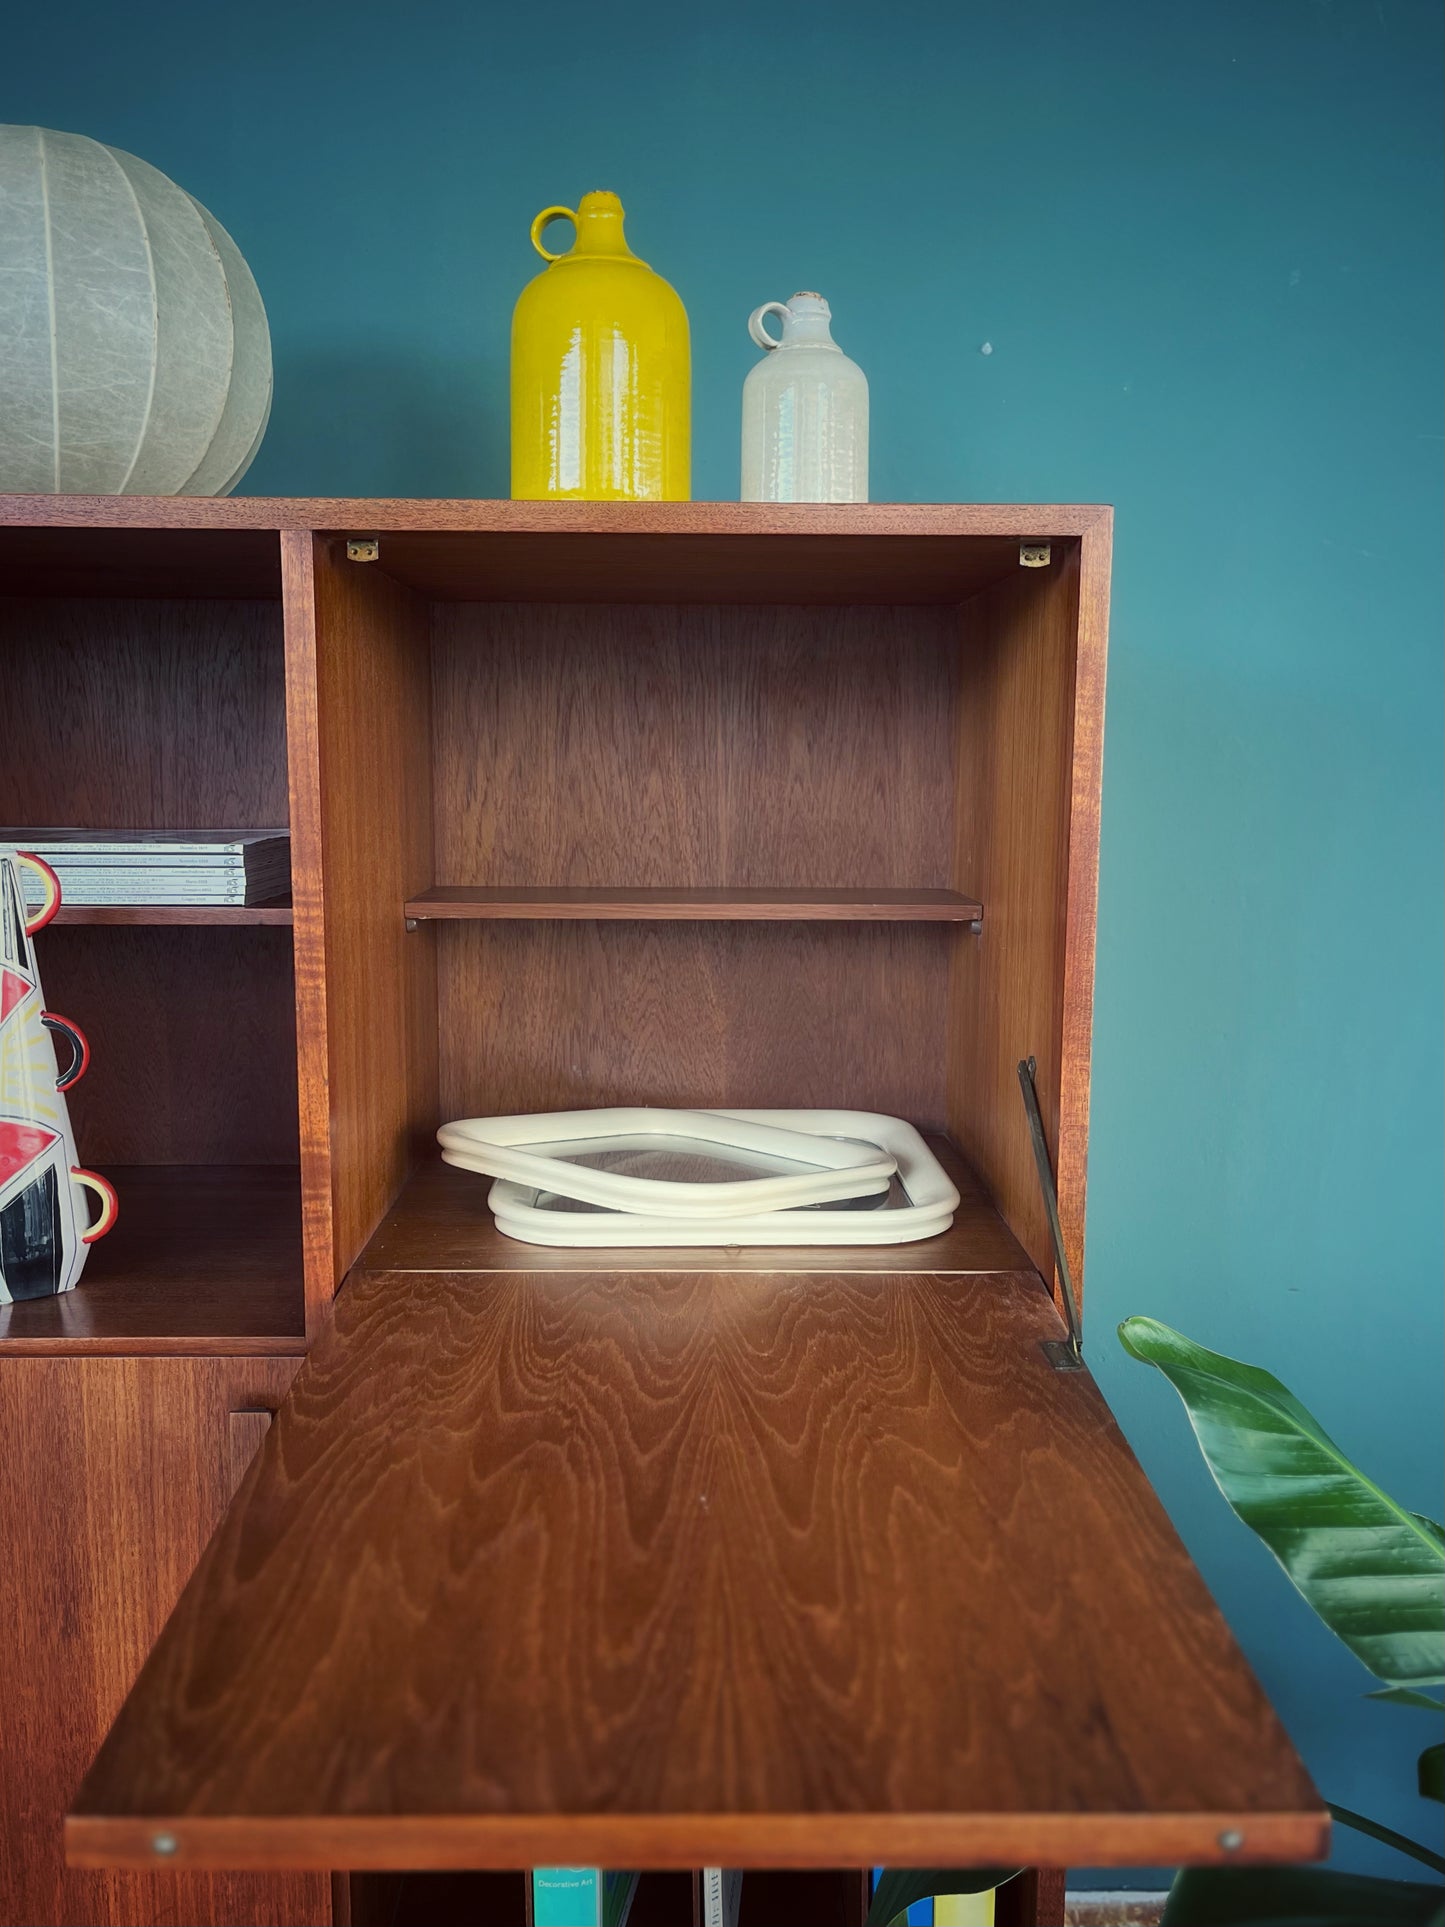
721, 1896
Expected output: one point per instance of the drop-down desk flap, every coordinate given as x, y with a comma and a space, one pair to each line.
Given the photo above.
663, 1569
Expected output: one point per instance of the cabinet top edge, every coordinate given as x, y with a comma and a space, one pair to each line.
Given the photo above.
342, 515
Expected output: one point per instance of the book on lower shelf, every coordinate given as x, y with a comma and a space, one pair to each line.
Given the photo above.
948, 1910
720, 1893
963, 1910
99, 869
579, 1897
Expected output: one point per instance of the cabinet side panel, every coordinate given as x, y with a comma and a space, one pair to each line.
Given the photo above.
1016, 745
1086, 794
360, 728
117, 1472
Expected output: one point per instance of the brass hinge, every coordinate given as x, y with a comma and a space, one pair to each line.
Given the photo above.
362, 548
1035, 555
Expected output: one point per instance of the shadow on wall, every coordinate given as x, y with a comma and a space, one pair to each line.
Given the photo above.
383, 424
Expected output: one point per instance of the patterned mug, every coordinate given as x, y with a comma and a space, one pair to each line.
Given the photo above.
45, 1230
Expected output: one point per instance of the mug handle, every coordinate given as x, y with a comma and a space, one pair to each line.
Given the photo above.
79, 1048
550, 214
755, 323
52, 892
109, 1202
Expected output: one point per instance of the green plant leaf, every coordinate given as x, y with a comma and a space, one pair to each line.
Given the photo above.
899, 1887
1298, 1897
1401, 1842
1374, 1572
1407, 1696
1432, 1773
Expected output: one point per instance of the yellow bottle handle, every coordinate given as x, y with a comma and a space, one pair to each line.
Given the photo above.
550, 214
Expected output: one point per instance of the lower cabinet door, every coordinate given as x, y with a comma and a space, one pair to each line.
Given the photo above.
115, 1474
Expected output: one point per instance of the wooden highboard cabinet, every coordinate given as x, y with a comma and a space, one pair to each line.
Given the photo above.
783, 1559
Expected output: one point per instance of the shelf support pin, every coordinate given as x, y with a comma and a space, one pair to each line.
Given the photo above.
411, 923
1064, 1354
362, 548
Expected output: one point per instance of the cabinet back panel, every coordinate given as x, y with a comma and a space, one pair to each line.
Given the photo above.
193, 1041
142, 714
694, 745
544, 1016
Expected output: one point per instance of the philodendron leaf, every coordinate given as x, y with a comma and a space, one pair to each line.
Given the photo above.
1407, 1696
1432, 1773
1374, 1572
899, 1887
1298, 1897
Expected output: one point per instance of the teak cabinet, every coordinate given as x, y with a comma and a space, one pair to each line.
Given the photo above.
793, 1559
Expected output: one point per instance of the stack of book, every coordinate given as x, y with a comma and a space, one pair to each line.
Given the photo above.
161, 866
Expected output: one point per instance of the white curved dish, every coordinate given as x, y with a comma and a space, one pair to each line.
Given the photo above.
786, 1167
929, 1200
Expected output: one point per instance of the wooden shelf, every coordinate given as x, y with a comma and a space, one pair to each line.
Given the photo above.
441, 1223
204, 1259
465, 901
664, 1569
174, 914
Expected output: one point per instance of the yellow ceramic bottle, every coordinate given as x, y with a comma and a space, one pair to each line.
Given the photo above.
601, 371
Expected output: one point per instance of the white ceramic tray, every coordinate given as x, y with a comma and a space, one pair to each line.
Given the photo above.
726, 1164
920, 1203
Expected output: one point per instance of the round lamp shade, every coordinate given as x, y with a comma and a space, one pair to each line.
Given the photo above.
134, 353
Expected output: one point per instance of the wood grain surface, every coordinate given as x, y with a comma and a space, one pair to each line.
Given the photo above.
143, 715
658, 1570
358, 694
352, 515
193, 1041
441, 1223
1016, 717
166, 559
698, 747
203, 1259
593, 905
173, 915
116, 1472
1031, 718
557, 1016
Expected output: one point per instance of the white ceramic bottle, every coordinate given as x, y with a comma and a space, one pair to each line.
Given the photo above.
805, 411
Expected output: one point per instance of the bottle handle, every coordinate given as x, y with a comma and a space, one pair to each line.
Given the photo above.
51, 883
755, 323
109, 1203
551, 214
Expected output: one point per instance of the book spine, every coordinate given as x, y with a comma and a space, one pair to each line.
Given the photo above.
566, 1897
721, 1896
963, 1910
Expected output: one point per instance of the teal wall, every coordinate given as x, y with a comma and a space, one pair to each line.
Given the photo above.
1202, 242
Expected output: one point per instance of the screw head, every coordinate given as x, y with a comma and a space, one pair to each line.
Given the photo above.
164, 1843
1231, 1840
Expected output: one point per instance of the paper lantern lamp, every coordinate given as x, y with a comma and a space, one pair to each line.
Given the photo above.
134, 353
